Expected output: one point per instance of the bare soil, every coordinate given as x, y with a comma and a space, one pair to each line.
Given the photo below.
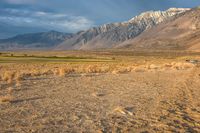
149, 101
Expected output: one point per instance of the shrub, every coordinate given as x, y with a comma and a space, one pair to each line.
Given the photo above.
61, 72
8, 76
7, 98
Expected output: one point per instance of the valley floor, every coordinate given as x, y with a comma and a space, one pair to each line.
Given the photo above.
144, 101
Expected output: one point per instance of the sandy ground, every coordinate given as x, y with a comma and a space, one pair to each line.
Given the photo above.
167, 101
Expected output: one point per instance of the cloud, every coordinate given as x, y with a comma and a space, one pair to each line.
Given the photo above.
48, 20
20, 1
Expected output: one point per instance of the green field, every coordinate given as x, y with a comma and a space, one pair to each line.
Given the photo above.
21, 59
93, 56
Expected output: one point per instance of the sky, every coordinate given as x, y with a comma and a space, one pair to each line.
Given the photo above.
22, 16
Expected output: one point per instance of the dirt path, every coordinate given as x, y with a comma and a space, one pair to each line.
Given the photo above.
182, 107
135, 102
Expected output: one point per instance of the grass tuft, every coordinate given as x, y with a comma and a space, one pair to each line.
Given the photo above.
6, 99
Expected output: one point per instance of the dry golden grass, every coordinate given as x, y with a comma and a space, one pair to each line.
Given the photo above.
18, 72
8, 76
55, 72
6, 99
122, 63
61, 72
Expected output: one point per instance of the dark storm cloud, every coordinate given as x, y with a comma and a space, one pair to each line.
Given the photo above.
49, 20
20, 1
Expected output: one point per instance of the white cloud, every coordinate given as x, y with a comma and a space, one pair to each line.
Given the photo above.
48, 20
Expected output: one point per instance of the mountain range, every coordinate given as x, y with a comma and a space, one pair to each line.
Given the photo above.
42, 40
180, 33
175, 28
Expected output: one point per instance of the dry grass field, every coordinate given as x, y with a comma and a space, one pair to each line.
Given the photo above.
110, 91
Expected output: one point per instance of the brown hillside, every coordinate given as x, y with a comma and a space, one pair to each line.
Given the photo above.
182, 33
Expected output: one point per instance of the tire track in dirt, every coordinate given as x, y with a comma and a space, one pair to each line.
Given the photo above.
183, 114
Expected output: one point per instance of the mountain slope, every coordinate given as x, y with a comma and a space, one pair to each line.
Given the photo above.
183, 33
114, 35
35, 40
110, 35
